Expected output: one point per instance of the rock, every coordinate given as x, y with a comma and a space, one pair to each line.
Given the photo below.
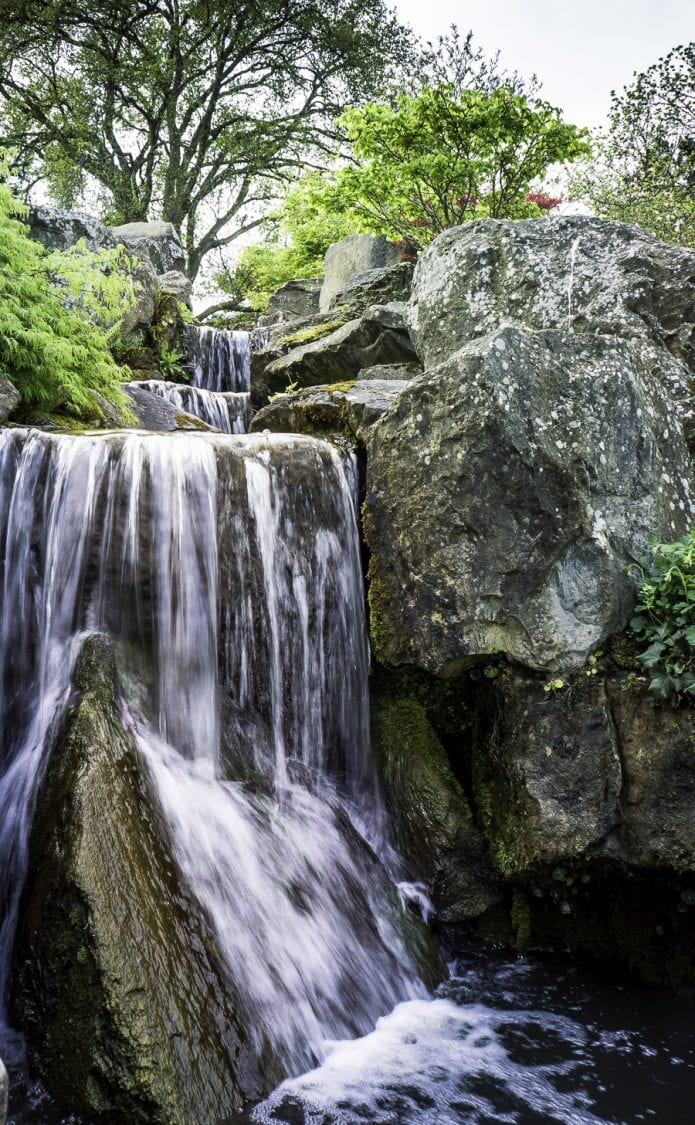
432, 822
295, 299
337, 357
57, 229
573, 272
154, 413
338, 411
384, 372
10, 398
156, 242
108, 930
378, 286
137, 320
176, 285
353, 255
510, 490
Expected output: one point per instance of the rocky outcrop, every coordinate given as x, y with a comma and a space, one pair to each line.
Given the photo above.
336, 356
342, 411
375, 287
573, 273
352, 256
157, 243
126, 1011
57, 229
509, 491
295, 300
10, 398
154, 412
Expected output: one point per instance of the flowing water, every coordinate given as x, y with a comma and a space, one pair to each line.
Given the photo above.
228, 411
221, 359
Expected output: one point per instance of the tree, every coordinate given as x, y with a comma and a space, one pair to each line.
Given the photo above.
432, 161
188, 110
643, 170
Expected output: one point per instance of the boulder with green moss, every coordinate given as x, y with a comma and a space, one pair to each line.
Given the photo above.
127, 1013
431, 817
340, 410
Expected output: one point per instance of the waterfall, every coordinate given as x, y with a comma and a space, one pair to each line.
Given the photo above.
221, 359
227, 572
228, 411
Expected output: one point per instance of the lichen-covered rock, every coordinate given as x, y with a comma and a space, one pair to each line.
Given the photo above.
350, 257
156, 242
126, 1011
572, 273
375, 287
295, 299
432, 821
509, 491
10, 398
340, 355
340, 410
384, 372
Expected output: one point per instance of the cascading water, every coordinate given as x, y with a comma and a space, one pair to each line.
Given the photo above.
221, 359
228, 411
227, 571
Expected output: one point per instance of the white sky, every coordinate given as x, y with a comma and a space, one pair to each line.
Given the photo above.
580, 51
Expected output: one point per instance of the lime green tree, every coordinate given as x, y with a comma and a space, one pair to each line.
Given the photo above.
643, 167
57, 356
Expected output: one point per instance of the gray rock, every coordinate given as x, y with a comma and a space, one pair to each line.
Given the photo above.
510, 490
572, 272
343, 413
351, 256
138, 319
384, 372
57, 229
10, 398
378, 286
175, 284
156, 242
295, 299
339, 356
390, 315
155, 413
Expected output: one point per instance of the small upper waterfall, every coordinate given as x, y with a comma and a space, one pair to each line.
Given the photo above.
228, 411
221, 359
227, 572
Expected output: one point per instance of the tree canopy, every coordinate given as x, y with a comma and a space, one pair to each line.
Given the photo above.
643, 169
187, 110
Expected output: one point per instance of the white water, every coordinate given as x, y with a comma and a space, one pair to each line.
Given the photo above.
228, 411
221, 358
227, 571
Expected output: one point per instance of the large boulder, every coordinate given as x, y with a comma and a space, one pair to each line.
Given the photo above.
296, 299
126, 1009
342, 411
574, 273
10, 398
350, 257
57, 229
375, 287
155, 413
510, 490
156, 242
375, 338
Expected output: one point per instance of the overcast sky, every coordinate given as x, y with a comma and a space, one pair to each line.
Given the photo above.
580, 50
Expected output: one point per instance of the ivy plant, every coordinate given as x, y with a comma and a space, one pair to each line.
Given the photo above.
665, 618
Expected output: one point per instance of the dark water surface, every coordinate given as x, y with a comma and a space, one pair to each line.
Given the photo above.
506, 1040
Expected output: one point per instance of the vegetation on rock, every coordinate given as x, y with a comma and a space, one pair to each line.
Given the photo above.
666, 618
49, 349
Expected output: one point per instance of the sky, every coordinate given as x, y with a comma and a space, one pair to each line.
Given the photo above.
580, 50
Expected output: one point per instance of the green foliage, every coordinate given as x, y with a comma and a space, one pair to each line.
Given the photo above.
169, 362
643, 168
54, 357
665, 618
193, 112
439, 159
96, 283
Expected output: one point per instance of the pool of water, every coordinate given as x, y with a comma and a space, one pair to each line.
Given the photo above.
506, 1039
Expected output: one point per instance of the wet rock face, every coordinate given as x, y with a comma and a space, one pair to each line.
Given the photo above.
572, 273
125, 1009
510, 489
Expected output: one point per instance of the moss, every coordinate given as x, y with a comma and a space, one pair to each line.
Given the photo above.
190, 421
310, 334
521, 920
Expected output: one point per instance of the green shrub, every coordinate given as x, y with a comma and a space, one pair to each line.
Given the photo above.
666, 618
51, 352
